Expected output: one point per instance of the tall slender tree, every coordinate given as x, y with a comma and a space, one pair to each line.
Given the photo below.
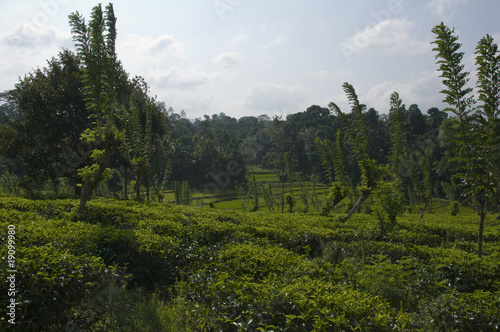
397, 132
358, 134
95, 44
488, 86
333, 162
138, 140
473, 139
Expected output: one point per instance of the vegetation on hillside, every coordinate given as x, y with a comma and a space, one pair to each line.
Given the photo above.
130, 266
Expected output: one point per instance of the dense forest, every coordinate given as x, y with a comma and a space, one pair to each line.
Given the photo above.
197, 150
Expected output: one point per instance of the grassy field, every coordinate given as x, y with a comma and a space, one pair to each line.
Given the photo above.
232, 199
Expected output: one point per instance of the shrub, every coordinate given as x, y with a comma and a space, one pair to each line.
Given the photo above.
182, 193
50, 282
453, 311
390, 204
455, 208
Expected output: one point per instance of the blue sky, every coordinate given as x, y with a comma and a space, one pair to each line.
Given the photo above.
252, 57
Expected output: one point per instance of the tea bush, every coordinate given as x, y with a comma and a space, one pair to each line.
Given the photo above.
50, 281
137, 266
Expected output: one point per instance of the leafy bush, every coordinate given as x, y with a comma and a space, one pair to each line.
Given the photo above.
453, 311
50, 281
182, 193
390, 203
455, 208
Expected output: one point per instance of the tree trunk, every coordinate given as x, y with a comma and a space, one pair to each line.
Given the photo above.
126, 182
137, 187
283, 197
423, 210
78, 189
482, 216
360, 201
85, 194
89, 186
498, 201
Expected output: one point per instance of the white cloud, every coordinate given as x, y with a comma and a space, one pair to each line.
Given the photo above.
422, 90
195, 102
227, 59
27, 36
147, 46
443, 7
276, 41
240, 39
273, 97
340, 100
144, 55
26, 47
165, 44
389, 36
340, 74
178, 77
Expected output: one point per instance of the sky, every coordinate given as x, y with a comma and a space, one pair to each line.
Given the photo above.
253, 57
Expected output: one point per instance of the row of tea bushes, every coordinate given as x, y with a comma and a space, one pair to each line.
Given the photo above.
124, 265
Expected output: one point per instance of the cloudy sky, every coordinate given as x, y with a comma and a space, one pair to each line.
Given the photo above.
252, 57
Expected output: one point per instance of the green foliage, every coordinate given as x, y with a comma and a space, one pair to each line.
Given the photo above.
182, 192
359, 140
9, 183
254, 193
370, 172
95, 43
268, 197
126, 265
137, 145
87, 173
477, 139
327, 154
390, 203
207, 151
50, 281
488, 60
488, 115
304, 197
357, 130
455, 208
48, 115
336, 193
290, 200
464, 312
243, 196
455, 79
397, 132
333, 159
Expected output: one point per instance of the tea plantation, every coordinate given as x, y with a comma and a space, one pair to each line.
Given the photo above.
128, 266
